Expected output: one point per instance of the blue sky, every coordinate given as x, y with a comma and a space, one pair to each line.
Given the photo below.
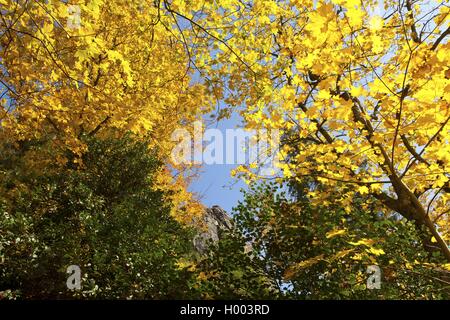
215, 186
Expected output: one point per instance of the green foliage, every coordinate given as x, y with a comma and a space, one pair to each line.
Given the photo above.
306, 252
104, 215
230, 272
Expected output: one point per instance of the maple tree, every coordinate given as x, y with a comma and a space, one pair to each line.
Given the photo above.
360, 90
114, 68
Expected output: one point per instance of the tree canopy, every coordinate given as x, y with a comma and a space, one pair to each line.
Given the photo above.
359, 91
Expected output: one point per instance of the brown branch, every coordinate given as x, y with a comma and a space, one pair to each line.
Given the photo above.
441, 37
411, 150
414, 34
167, 6
99, 126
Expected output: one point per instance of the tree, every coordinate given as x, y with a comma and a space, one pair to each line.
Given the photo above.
230, 271
299, 251
364, 84
106, 216
358, 89
91, 67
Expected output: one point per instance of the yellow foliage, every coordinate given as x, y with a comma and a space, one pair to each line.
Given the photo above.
367, 93
335, 233
94, 67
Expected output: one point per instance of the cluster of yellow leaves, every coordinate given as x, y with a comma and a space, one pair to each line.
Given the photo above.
185, 207
355, 255
293, 270
116, 67
185, 264
360, 87
335, 233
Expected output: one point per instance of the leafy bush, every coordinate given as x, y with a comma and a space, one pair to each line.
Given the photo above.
104, 215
